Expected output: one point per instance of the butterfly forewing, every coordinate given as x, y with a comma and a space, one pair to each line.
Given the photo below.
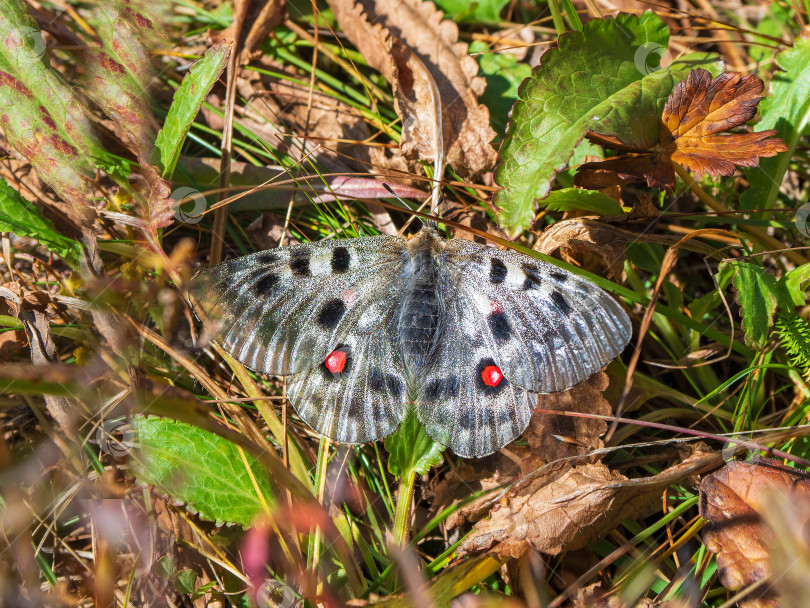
548, 328
283, 311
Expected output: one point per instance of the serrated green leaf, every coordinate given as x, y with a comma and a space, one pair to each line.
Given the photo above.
24, 56
200, 469
786, 109
410, 448
576, 199
597, 80
187, 101
757, 295
19, 216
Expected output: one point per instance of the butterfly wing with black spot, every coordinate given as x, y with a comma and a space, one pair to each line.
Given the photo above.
548, 328
284, 310
458, 408
543, 328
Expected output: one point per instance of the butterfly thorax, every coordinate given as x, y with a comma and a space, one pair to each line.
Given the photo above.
420, 310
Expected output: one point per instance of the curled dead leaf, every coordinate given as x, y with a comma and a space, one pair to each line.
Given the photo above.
552, 511
700, 109
693, 122
398, 38
733, 501
553, 437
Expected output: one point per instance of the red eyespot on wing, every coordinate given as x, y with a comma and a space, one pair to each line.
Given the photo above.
336, 361
491, 375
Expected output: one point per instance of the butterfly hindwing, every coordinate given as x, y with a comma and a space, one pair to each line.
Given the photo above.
548, 329
283, 311
458, 407
363, 398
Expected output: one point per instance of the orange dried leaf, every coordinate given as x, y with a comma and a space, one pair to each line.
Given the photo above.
700, 109
733, 500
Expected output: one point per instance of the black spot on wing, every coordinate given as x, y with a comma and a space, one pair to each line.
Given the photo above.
560, 302
394, 385
442, 388
299, 262
340, 259
264, 285
499, 326
489, 391
467, 420
558, 276
267, 257
532, 280
331, 313
497, 271
379, 382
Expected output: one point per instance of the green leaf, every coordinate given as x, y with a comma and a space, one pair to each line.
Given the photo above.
576, 199
503, 74
19, 216
796, 284
597, 80
757, 295
410, 448
480, 11
786, 109
188, 99
200, 469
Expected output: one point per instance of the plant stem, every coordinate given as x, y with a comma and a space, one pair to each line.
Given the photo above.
403, 511
760, 235
556, 15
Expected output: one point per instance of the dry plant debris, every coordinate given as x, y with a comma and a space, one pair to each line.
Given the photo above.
739, 502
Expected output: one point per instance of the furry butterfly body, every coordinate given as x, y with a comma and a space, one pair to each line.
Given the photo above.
366, 328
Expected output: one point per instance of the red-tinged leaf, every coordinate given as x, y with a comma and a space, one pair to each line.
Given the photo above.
30, 129
692, 135
700, 109
23, 54
363, 187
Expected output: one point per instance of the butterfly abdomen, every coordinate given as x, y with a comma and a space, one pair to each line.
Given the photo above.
419, 318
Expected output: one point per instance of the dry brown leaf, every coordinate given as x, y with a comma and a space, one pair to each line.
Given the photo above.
253, 21
267, 230
733, 500
326, 130
397, 38
553, 437
700, 109
552, 512
695, 116
582, 234
468, 477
